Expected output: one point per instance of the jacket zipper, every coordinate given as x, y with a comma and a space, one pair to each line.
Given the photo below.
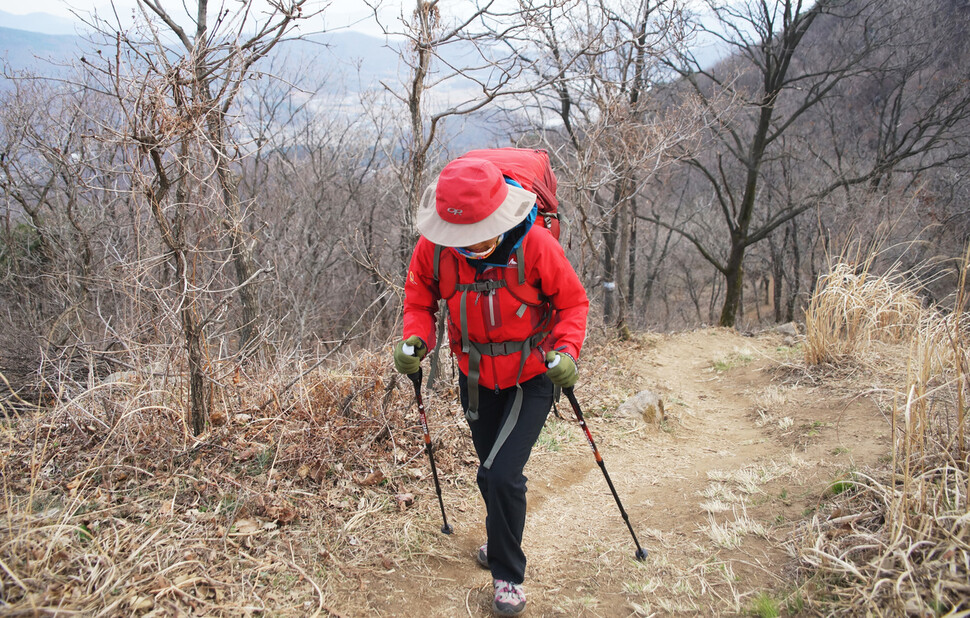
491, 309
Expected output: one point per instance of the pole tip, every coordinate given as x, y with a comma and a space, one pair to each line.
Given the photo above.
447, 529
641, 554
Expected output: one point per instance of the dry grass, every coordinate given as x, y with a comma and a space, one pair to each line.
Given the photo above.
111, 508
729, 535
852, 308
896, 541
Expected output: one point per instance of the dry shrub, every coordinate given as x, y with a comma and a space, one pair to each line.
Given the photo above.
308, 480
852, 308
112, 508
896, 541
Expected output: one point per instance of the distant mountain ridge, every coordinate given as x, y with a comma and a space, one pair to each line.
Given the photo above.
41, 23
354, 58
22, 50
343, 63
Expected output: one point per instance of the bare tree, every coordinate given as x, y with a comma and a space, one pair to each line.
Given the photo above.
778, 84
318, 178
458, 65
766, 37
177, 89
218, 58
613, 134
65, 208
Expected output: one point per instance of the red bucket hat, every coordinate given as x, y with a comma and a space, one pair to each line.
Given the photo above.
470, 203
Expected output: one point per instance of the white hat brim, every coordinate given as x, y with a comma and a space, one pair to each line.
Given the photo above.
512, 211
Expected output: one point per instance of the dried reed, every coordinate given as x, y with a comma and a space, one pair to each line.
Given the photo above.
851, 308
897, 542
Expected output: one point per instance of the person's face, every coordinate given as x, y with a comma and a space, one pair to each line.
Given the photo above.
480, 250
483, 246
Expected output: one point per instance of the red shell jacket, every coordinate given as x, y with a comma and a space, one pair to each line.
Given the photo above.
499, 316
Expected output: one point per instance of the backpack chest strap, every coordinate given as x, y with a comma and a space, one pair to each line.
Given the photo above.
477, 350
486, 286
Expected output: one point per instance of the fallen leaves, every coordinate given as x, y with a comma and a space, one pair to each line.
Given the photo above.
274, 508
140, 602
404, 501
218, 418
415, 473
387, 562
244, 527
372, 479
247, 453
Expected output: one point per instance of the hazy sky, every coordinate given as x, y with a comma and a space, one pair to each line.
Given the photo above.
340, 14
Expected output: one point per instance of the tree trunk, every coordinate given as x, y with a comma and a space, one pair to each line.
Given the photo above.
242, 256
173, 235
622, 265
218, 138
426, 13
631, 287
778, 274
794, 288
199, 395
734, 281
609, 263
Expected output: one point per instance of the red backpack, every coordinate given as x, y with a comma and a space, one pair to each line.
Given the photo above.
531, 169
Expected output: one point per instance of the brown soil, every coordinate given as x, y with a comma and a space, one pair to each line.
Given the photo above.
747, 439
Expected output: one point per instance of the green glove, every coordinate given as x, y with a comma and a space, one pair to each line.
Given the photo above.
409, 363
562, 373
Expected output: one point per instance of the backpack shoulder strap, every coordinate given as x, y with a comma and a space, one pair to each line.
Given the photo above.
523, 291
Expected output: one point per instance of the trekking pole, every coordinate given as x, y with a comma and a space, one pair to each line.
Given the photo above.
641, 553
416, 379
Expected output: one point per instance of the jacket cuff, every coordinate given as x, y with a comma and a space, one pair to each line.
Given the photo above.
568, 351
423, 340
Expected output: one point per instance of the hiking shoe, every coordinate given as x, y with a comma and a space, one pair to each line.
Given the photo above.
482, 555
509, 598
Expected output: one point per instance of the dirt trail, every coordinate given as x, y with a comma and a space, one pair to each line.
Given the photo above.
713, 493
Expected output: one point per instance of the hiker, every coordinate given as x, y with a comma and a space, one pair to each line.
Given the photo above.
515, 305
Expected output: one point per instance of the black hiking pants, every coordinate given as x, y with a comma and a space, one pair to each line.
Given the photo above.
503, 486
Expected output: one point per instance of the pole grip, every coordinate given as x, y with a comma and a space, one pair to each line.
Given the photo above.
571, 396
416, 376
